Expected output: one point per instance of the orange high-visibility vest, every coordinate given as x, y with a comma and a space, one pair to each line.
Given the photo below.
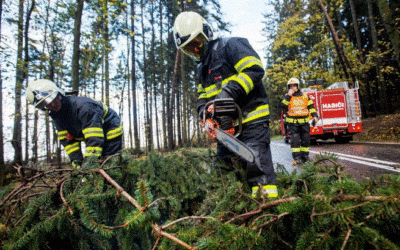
298, 106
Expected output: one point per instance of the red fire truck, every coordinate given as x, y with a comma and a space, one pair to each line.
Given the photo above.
339, 112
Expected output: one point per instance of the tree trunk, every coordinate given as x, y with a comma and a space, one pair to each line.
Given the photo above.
185, 95
107, 48
128, 49
361, 55
162, 80
133, 80
338, 45
77, 42
178, 116
390, 25
26, 64
171, 139
16, 140
148, 127
2, 166
381, 85
355, 25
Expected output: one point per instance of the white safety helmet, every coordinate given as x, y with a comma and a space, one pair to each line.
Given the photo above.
191, 33
293, 81
42, 92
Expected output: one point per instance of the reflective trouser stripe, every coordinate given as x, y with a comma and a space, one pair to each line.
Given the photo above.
295, 150
297, 120
62, 135
304, 149
270, 190
72, 147
93, 151
93, 132
114, 133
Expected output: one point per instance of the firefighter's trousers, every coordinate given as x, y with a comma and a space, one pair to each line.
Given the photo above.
299, 140
257, 137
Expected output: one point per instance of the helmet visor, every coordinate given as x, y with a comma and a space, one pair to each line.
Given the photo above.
196, 47
43, 99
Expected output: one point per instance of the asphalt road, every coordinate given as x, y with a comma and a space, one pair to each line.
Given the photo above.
361, 160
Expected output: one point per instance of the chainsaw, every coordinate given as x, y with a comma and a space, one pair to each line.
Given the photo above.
229, 138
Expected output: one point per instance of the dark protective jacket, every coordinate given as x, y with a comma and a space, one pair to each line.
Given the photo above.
232, 68
83, 119
308, 105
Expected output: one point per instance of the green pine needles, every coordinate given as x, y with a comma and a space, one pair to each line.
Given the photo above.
187, 200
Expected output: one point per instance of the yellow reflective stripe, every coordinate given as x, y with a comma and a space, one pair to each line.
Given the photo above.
304, 149
62, 135
93, 151
63, 132
313, 111
310, 102
114, 133
93, 132
270, 190
297, 120
261, 111
295, 150
202, 96
247, 62
286, 102
200, 89
80, 139
72, 147
245, 81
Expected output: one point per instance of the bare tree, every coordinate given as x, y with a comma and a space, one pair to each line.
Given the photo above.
162, 80
2, 165
16, 139
133, 79
26, 64
148, 123
374, 34
77, 42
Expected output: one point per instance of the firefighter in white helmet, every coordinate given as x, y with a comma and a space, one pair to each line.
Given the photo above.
298, 107
230, 68
78, 119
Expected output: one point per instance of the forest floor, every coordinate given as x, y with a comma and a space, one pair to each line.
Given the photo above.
384, 128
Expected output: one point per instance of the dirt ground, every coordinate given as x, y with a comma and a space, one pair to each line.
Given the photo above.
384, 128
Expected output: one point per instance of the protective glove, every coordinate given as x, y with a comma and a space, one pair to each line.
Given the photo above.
226, 123
314, 121
223, 95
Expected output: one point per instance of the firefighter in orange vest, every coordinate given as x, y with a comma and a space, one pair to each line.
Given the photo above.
298, 108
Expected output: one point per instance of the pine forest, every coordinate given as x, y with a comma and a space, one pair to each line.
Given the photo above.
166, 190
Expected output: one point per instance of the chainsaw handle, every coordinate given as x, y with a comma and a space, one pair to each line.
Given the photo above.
219, 105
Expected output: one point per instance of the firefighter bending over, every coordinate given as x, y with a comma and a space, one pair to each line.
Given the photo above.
230, 68
298, 107
78, 119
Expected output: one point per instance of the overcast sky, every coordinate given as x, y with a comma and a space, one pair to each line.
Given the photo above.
245, 16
